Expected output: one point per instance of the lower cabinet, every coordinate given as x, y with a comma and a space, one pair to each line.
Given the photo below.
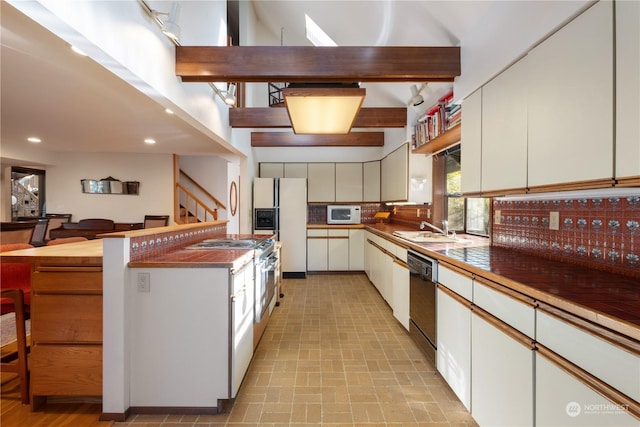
66, 332
453, 358
242, 316
566, 396
501, 373
339, 249
400, 292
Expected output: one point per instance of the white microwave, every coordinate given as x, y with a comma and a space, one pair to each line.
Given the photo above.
343, 214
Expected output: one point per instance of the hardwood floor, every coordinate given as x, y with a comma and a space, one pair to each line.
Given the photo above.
332, 355
64, 412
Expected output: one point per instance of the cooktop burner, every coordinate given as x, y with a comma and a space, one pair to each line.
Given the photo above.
223, 243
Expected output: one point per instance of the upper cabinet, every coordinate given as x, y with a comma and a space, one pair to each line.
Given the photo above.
504, 130
394, 175
271, 170
627, 92
547, 122
570, 102
295, 170
349, 182
321, 182
371, 181
471, 143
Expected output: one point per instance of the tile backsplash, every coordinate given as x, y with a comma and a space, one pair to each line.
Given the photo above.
601, 232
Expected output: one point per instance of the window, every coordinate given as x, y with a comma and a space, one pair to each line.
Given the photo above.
470, 215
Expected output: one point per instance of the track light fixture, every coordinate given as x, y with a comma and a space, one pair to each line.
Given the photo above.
230, 95
170, 26
416, 98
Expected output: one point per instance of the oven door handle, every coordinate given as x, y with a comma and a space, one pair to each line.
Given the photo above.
270, 264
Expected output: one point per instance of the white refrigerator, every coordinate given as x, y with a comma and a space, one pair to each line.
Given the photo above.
289, 198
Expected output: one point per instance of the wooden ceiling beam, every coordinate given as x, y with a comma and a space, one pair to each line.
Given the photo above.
305, 64
276, 117
285, 139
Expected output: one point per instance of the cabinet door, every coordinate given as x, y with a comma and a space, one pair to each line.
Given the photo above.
501, 375
349, 182
322, 182
453, 358
564, 400
394, 172
627, 89
242, 301
338, 249
317, 250
504, 130
371, 181
356, 250
400, 291
570, 128
471, 143
271, 170
295, 170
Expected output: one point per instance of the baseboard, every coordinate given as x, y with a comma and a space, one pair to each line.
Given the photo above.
294, 275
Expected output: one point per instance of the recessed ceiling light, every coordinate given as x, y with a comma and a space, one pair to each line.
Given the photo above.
149, 141
168, 111
34, 139
78, 50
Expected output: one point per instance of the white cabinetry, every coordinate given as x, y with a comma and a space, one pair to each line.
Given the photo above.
338, 250
271, 170
349, 182
356, 249
295, 170
394, 172
400, 292
242, 298
569, 341
317, 249
371, 181
471, 143
322, 182
501, 374
517, 311
562, 399
627, 89
453, 358
570, 128
504, 130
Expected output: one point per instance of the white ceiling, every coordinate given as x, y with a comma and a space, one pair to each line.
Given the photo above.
70, 101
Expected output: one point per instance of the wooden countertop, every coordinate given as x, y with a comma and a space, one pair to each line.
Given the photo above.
87, 252
606, 299
198, 258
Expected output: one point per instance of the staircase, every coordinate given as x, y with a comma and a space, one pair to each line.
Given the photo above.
189, 208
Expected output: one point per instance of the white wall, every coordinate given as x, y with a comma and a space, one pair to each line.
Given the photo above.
153, 171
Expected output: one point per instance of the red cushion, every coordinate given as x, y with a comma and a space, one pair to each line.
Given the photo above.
15, 275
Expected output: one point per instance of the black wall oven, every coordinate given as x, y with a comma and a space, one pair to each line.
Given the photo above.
422, 301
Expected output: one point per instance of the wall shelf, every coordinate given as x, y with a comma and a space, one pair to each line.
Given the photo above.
441, 142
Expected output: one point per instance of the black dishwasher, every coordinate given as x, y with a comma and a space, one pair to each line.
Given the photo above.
422, 301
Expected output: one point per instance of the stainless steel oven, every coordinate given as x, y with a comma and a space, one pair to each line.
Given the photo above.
265, 272
422, 301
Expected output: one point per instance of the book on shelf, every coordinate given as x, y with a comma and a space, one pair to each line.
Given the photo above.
438, 119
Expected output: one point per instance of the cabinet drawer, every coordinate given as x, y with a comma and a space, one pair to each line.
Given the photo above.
314, 232
65, 280
339, 232
516, 311
66, 318
585, 345
66, 370
456, 281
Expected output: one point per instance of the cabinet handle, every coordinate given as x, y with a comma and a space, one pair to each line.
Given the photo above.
241, 291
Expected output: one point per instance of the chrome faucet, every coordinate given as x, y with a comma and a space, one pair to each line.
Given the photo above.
445, 224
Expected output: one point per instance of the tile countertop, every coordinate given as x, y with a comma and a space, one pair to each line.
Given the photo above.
607, 299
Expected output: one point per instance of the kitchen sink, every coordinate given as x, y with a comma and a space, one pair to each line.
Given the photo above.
428, 237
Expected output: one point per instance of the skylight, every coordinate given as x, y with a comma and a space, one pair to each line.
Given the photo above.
315, 34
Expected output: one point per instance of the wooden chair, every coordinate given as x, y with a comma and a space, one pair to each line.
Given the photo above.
152, 221
17, 232
15, 279
54, 222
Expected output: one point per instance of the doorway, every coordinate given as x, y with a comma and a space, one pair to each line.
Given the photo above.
27, 193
